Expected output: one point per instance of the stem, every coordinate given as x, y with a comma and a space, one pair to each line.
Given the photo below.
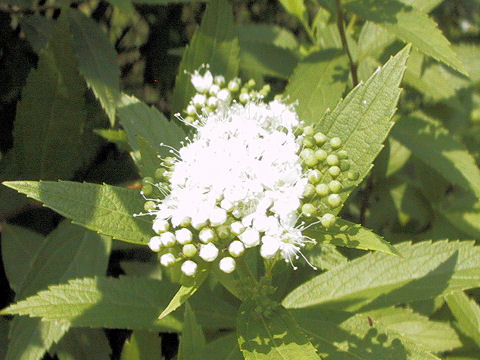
341, 29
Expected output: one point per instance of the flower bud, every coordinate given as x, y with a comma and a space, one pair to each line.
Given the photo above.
314, 176
309, 191
332, 160
160, 226
308, 130
250, 238
219, 80
234, 85
226, 205
335, 142
147, 189
218, 217
269, 248
149, 205
206, 235
334, 171
353, 175
208, 252
167, 259
320, 155
320, 138
237, 228
308, 209
223, 231
224, 95
168, 239
335, 186
342, 154
322, 189
184, 236
189, 268
214, 89
227, 265
308, 142
189, 250
236, 248
199, 100
199, 221
334, 200
328, 220
191, 110
155, 243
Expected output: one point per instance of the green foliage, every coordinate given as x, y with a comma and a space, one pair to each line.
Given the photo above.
80, 344
467, 314
106, 209
192, 337
142, 345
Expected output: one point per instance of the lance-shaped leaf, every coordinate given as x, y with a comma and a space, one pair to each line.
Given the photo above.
142, 345
318, 82
214, 43
139, 119
67, 252
223, 348
437, 148
192, 339
397, 334
363, 119
345, 233
105, 209
51, 115
81, 344
378, 280
125, 302
272, 338
97, 61
467, 314
409, 25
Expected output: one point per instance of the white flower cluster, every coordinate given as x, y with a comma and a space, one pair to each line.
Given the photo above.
241, 182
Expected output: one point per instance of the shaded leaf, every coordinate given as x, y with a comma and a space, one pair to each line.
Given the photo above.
263, 58
38, 30
81, 344
214, 43
223, 348
378, 280
142, 345
192, 339
467, 313
103, 208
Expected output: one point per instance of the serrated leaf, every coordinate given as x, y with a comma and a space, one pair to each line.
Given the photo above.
67, 252
149, 161
348, 234
223, 348
81, 344
463, 212
409, 25
325, 256
214, 43
276, 337
139, 119
105, 209
192, 339
433, 145
51, 115
125, 302
396, 334
378, 280
20, 248
97, 61
318, 82
118, 137
185, 292
142, 345
467, 313
363, 119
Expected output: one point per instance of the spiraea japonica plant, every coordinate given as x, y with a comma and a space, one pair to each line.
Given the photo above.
290, 200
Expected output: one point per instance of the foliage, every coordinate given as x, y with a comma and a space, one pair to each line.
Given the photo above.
91, 93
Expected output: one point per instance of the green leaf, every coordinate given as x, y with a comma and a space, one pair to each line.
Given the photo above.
267, 34
390, 333
214, 43
348, 234
263, 58
4, 325
67, 252
97, 61
463, 212
118, 137
467, 314
433, 145
149, 161
139, 119
20, 248
378, 280
363, 119
325, 256
185, 291
125, 6
105, 209
81, 344
223, 348
125, 302
318, 82
297, 9
142, 345
409, 25
51, 115
192, 339
276, 337
37, 29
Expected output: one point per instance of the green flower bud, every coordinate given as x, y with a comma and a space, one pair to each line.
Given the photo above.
147, 189
251, 83
332, 160
160, 173
149, 205
334, 171
344, 165
314, 176
321, 155
334, 200
328, 220
322, 189
308, 210
335, 143
265, 90
308, 130
335, 186
320, 138
309, 191
353, 175
310, 161
342, 154
223, 231
147, 181
189, 250
306, 153
308, 142
189, 119
169, 161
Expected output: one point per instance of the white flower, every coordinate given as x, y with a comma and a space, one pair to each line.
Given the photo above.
236, 248
270, 247
155, 243
167, 259
184, 236
189, 268
218, 217
160, 226
206, 235
250, 238
208, 252
202, 83
167, 239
